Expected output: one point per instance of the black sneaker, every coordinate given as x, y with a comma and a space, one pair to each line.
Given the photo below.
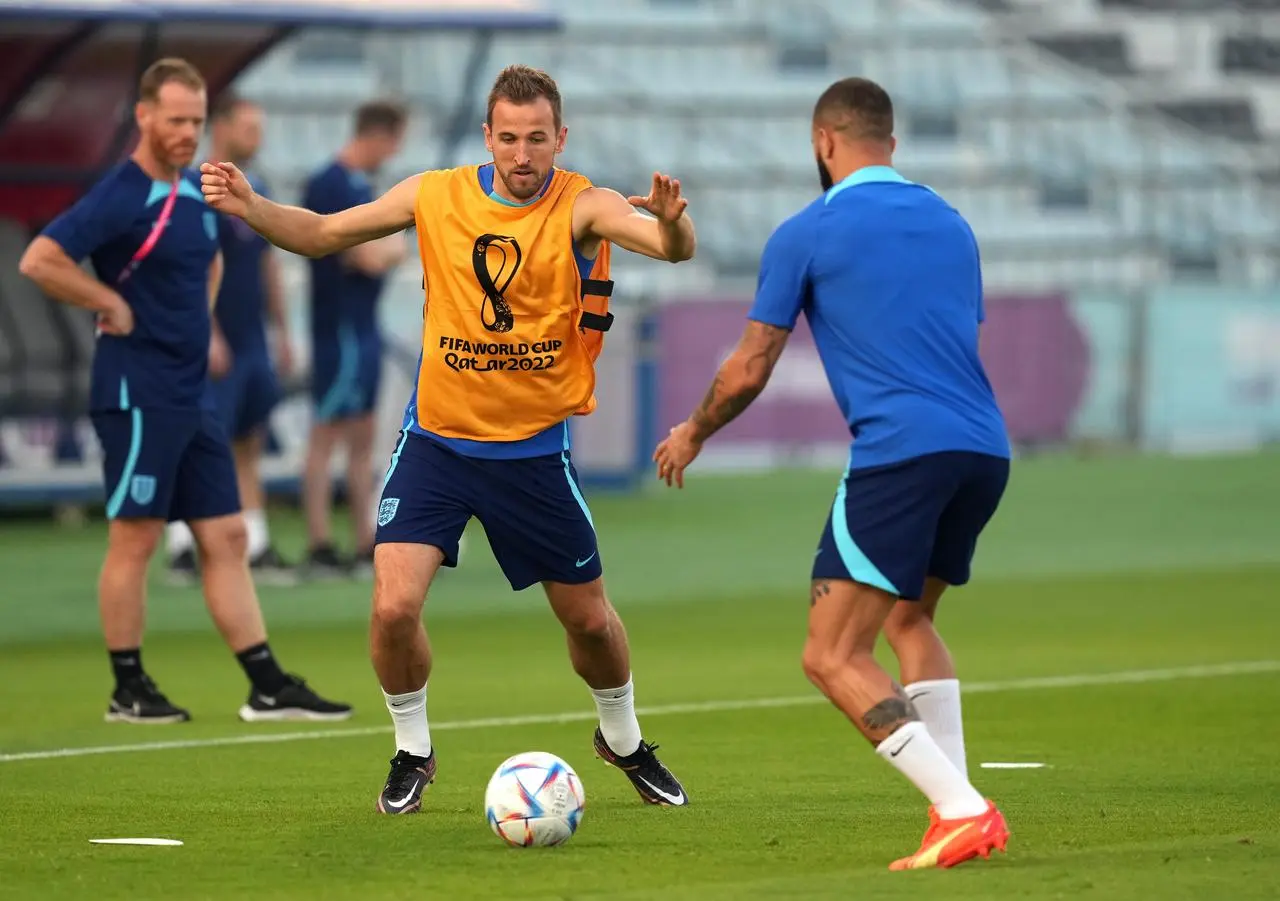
408, 779
324, 562
182, 570
139, 701
296, 701
269, 568
651, 779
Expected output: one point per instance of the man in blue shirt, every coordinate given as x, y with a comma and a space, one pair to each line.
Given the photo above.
243, 372
888, 277
153, 243
346, 344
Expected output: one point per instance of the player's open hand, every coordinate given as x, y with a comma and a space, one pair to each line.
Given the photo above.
664, 200
226, 189
675, 453
116, 319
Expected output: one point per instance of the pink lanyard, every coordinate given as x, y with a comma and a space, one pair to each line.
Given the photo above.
156, 231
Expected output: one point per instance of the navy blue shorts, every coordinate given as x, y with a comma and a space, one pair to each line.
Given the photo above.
892, 526
345, 375
166, 464
532, 510
246, 395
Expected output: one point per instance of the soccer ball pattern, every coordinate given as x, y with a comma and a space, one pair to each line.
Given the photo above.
534, 799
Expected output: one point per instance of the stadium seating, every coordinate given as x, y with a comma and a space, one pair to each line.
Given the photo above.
1034, 118
45, 349
1095, 143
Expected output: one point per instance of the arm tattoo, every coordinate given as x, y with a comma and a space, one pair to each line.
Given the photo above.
889, 715
723, 404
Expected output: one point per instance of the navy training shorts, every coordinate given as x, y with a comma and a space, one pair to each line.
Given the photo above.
893, 526
166, 464
247, 394
346, 374
532, 510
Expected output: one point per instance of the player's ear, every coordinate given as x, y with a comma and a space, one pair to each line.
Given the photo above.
560, 139
488, 136
141, 112
893, 143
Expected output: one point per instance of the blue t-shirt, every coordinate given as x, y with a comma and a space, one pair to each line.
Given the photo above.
888, 275
552, 440
344, 301
242, 299
164, 362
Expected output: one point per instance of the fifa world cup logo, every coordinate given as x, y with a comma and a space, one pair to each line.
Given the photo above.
495, 285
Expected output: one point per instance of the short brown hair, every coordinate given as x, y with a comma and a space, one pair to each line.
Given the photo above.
381, 115
858, 106
164, 71
521, 85
227, 103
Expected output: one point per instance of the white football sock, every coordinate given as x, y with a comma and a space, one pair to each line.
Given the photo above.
938, 703
618, 723
915, 754
178, 538
409, 713
255, 523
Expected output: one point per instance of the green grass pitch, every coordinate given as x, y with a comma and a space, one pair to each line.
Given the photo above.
1161, 784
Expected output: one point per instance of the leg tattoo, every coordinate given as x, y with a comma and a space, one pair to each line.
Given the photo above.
820, 590
889, 715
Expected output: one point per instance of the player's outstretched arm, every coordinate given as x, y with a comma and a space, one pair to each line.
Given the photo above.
667, 234
301, 231
739, 381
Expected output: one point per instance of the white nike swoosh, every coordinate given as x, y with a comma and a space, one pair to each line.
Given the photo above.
407, 798
673, 799
270, 702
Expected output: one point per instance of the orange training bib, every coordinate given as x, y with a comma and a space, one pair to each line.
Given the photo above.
511, 330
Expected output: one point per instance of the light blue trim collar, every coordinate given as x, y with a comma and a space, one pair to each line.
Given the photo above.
866, 175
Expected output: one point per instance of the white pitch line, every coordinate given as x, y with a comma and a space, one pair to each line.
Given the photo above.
1080, 680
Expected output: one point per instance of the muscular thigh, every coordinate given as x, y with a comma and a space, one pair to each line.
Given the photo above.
402, 575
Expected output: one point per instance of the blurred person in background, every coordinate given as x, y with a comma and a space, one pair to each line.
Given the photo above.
346, 343
241, 364
889, 278
153, 243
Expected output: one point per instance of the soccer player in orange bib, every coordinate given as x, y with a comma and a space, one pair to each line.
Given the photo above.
516, 260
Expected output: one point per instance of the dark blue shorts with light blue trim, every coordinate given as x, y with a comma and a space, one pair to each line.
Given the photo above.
166, 464
532, 510
893, 526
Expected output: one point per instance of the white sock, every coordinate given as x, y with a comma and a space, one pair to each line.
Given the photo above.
938, 703
178, 538
409, 713
915, 754
255, 523
618, 723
